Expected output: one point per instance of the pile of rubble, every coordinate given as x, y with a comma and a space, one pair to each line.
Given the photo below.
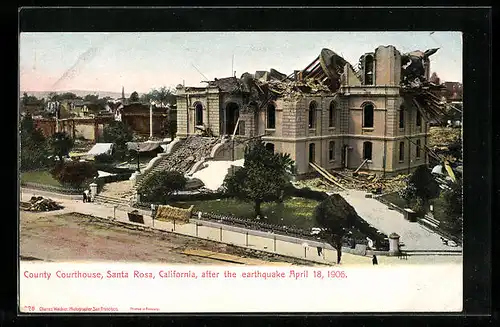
192, 150
361, 181
38, 203
294, 89
442, 136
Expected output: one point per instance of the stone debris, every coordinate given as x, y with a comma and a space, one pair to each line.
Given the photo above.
360, 181
443, 136
38, 203
192, 150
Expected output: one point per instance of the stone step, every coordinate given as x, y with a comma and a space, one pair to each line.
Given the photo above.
432, 220
195, 147
111, 200
427, 222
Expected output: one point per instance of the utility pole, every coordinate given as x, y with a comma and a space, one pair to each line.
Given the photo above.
137, 150
150, 121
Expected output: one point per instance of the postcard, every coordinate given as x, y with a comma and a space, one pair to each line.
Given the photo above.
219, 172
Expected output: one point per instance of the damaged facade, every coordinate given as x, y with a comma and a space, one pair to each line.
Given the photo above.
330, 113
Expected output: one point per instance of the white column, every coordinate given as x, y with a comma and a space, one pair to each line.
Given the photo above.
150, 121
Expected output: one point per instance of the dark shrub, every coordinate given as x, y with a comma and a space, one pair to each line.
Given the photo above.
74, 173
103, 158
159, 187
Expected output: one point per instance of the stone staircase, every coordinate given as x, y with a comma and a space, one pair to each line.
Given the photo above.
428, 220
103, 199
189, 152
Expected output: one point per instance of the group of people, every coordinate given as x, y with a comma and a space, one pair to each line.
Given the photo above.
87, 196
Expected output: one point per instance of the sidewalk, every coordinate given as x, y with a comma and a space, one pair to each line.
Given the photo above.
258, 240
413, 235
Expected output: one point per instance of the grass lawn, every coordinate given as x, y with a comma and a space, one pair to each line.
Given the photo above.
298, 212
395, 199
437, 203
39, 177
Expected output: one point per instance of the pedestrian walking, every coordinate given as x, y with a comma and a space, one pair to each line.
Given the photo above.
320, 250
86, 196
374, 260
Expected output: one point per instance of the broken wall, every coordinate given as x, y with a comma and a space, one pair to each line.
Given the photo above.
387, 66
186, 102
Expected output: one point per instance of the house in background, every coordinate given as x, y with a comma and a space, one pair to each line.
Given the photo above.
137, 116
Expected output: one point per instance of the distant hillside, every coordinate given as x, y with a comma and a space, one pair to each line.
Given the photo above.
80, 93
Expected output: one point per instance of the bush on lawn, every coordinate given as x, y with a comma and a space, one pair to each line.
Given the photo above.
160, 186
103, 158
74, 173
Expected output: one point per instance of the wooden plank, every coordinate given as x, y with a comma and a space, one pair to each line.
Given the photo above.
364, 161
326, 176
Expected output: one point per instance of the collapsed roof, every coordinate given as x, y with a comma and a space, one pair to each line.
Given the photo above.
325, 75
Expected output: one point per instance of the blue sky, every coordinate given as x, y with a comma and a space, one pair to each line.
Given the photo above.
142, 61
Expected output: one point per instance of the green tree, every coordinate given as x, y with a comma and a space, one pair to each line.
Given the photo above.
33, 150
170, 127
263, 178
74, 173
164, 96
426, 187
134, 97
453, 208
160, 186
52, 96
91, 98
60, 144
25, 98
336, 215
67, 96
118, 133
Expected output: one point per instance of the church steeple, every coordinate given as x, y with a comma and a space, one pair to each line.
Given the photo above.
123, 93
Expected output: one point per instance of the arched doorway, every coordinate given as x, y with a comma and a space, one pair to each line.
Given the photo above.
270, 147
312, 152
231, 115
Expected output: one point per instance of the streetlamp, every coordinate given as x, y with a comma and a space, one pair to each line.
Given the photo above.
137, 150
305, 245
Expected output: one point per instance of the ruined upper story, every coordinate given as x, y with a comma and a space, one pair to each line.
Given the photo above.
385, 78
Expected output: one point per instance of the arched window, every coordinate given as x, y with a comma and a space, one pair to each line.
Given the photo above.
369, 70
270, 147
367, 150
331, 150
331, 115
401, 118
312, 114
417, 150
419, 119
401, 151
312, 152
368, 115
271, 116
199, 114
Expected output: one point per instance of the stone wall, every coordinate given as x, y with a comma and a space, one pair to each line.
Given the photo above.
387, 66
186, 110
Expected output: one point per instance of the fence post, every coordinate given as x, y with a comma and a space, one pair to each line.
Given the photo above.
221, 234
246, 237
196, 229
274, 243
174, 224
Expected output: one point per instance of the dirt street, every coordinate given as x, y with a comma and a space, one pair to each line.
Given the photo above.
56, 236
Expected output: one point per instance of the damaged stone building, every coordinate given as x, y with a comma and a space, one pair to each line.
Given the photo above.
372, 117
